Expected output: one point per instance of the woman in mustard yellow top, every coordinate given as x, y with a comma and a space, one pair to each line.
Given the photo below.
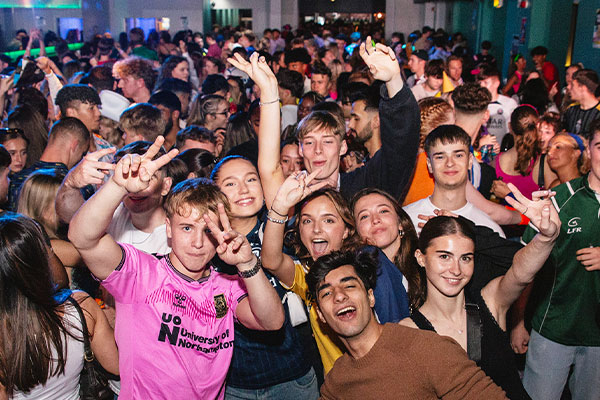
323, 224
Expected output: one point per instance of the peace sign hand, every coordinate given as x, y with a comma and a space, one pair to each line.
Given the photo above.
380, 59
233, 248
295, 188
258, 70
134, 172
539, 210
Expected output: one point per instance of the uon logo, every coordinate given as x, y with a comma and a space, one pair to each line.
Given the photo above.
573, 225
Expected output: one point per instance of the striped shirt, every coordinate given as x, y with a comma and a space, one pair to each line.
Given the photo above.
578, 121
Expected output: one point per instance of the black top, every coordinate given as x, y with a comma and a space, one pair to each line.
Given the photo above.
497, 358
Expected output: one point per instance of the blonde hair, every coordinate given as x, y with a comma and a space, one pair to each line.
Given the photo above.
200, 193
583, 162
37, 196
434, 112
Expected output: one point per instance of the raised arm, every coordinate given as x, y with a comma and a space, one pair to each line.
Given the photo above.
89, 171
499, 214
269, 168
502, 292
391, 167
87, 230
262, 308
295, 188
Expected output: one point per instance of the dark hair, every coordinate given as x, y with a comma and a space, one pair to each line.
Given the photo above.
552, 119
194, 132
435, 68
523, 122
167, 68
364, 263
34, 99
69, 126
166, 99
136, 36
587, 78
176, 86
488, 71
218, 63
32, 331
100, 77
140, 147
486, 45
5, 158
535, 93
405, 258
214, 175
7, 134
446, 134
198, 161
297, 55
320, 68
291, 80
539, 51
70, 96
214, 83
352, 91
471, 98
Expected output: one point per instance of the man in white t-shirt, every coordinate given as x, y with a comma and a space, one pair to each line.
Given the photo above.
501, 107
449, 160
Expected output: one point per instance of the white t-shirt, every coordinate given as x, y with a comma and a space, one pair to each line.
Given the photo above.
469, 211
122, 230
420, 93
289, 115
500, 112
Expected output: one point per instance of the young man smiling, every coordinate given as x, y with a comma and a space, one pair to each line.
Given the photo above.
449, 160
159, 300
391, 360
321, 134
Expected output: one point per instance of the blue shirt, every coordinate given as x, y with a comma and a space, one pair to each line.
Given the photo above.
391, 299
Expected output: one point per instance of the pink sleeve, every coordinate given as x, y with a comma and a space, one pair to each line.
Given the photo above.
124, 282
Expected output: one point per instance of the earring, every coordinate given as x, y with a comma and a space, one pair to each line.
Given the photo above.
401, 233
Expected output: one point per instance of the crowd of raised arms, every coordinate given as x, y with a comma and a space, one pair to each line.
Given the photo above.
318, 212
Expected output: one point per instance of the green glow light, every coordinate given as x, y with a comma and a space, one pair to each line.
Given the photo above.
60, 4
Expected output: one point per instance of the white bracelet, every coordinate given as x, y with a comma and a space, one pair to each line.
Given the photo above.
268, 102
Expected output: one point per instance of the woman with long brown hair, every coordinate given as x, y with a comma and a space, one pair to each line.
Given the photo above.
41, 348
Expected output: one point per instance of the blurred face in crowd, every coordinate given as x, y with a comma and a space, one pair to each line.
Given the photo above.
297, 66
17, 148
593, 151
305, 107
455, 68
434, 83
88, 113
321, 84
290, 159
546, 132
130, 86
150, 198
416, 65
491, 83
562, 152
362, 121
182, 71
210, 68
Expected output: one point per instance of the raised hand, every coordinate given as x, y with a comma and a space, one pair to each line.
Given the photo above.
295, 188
539, 210
134, 172
437, 213
258, 70
233, 247
90, 171
380, 59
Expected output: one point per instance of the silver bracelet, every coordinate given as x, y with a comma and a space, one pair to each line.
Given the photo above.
268, 102
275, 220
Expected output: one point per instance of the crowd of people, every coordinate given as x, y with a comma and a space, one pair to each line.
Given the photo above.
313, 213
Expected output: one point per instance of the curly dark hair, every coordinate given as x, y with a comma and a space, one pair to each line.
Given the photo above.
471, 98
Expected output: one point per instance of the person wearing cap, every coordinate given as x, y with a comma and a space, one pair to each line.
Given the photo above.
113, 105
297, 60
417, 62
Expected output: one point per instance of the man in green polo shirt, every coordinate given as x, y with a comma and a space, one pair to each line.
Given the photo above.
566, 321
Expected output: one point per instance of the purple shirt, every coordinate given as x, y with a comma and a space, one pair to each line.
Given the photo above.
175, 334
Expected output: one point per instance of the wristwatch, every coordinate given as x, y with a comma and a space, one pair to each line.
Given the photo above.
251, 272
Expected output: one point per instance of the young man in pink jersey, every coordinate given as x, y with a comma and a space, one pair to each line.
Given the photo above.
175, 315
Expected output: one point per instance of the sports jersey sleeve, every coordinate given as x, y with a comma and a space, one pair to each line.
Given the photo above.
127, 281
299, 286
237, 290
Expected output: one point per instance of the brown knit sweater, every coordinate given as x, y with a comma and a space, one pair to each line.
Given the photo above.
411, 364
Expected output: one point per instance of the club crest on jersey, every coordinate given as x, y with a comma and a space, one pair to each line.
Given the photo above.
220, 306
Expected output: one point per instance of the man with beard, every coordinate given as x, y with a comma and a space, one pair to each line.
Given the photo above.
170, 107
364, 125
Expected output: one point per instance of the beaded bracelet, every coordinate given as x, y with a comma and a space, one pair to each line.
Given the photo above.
275, 220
